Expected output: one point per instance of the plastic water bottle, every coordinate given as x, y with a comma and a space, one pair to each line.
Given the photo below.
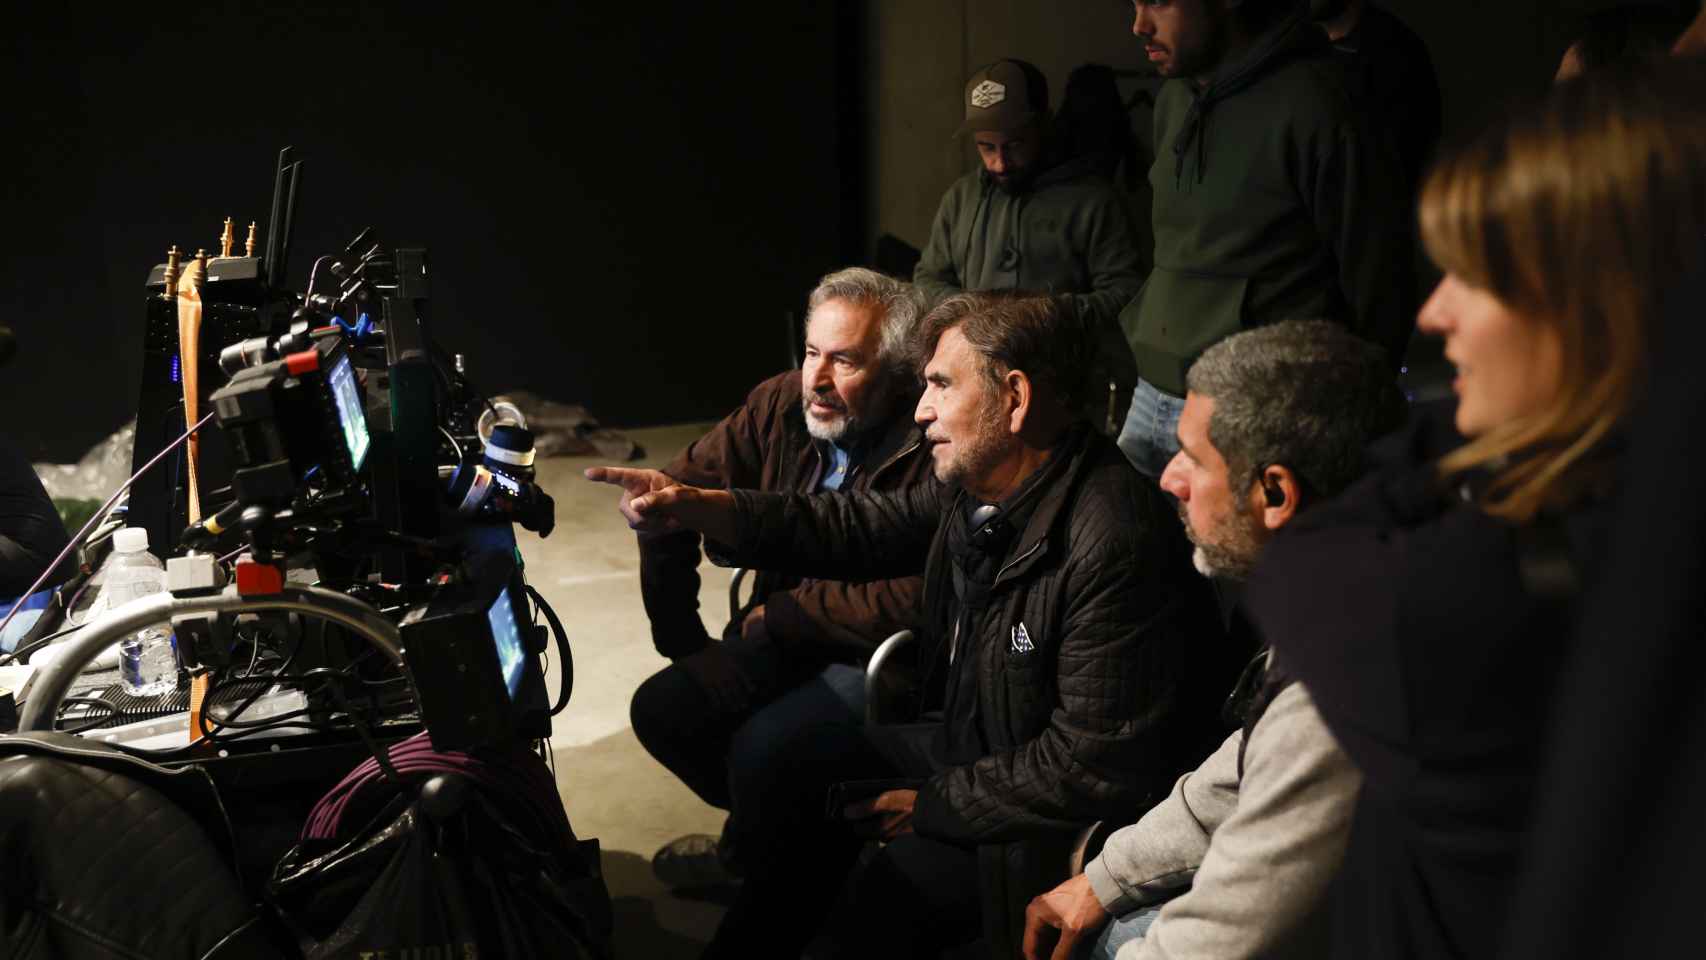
148, 659
148, 662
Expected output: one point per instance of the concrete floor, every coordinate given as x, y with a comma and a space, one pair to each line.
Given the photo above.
588, 569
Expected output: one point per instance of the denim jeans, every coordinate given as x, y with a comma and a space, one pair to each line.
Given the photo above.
1150, 436
1122, 930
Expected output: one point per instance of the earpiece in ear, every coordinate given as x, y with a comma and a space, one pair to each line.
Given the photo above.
1274, 495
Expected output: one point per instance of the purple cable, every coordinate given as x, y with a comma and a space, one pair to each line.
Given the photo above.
515, 780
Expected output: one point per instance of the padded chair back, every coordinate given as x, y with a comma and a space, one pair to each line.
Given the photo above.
97, 864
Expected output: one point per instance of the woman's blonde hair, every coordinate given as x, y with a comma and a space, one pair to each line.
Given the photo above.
1581, 213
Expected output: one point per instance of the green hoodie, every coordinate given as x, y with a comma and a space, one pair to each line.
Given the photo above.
1067, 233
1270, 203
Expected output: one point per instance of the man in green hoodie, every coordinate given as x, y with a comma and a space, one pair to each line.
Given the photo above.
1031, 219
1272, 200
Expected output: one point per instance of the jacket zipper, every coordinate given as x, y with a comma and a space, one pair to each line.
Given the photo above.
1009, 565
895, 459
954, 647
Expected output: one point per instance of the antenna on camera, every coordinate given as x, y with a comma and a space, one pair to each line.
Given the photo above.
285, 180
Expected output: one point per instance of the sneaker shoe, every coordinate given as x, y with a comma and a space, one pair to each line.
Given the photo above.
694, 861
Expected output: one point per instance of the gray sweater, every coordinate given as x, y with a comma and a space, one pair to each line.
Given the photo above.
1244, 863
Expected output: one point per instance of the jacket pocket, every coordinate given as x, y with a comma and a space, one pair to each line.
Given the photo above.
1177, 316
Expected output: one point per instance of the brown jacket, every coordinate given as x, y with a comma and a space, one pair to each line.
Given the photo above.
763, 445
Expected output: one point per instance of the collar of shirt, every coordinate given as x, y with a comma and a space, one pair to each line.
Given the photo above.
837, 466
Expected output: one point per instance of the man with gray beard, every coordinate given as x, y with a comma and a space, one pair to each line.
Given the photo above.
1233, 863
795, 654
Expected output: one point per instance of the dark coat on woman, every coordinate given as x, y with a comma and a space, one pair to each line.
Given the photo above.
1429, 633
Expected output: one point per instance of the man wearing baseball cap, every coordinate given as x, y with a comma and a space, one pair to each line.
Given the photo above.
1030, 218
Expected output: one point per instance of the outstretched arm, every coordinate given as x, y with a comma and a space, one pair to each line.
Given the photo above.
652, 502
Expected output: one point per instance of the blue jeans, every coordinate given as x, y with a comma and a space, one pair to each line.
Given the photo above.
1150, 436
1122, 930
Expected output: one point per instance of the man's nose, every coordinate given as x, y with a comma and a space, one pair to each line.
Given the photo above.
924, 414
815, 373
1173, 479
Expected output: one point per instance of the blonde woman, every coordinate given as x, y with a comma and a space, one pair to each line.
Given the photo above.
1427, 609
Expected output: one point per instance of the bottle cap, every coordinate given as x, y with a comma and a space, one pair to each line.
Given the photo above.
131, 540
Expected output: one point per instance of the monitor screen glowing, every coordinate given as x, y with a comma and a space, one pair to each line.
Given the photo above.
352, 414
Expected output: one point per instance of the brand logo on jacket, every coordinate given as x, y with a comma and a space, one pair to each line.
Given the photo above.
987, 94
1022, 639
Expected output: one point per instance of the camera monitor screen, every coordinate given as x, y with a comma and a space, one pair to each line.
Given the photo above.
506, 637
352, 414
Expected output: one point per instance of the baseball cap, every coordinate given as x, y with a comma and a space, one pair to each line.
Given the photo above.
1005, 96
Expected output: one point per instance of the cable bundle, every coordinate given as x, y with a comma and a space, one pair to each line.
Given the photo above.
514, 779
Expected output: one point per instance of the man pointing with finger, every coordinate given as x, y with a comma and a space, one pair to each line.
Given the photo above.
1077, 657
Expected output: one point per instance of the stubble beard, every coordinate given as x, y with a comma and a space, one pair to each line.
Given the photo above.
976, 455
1233, 555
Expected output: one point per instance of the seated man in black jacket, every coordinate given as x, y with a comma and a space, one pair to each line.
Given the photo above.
1062, 615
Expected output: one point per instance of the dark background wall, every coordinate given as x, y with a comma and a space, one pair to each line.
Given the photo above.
620, 202
919, 54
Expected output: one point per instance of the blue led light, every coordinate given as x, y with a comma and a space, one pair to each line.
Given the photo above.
176, 369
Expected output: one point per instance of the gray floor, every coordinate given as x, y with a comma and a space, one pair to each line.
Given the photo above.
588, 569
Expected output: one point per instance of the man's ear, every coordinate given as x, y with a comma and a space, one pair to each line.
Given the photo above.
1017, 391
1277, 495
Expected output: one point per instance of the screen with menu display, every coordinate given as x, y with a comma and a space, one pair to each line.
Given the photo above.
352, 414
506, 637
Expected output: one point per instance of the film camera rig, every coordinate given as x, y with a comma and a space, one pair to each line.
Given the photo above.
360, 499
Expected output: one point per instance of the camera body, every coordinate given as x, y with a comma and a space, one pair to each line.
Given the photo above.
387, 496
295, 423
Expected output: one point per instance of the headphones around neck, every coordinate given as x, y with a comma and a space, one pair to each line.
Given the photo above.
990, 530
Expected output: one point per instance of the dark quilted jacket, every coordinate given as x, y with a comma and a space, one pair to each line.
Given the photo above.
1115, 695
763, 445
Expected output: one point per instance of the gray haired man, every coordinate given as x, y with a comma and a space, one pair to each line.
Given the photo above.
794, 655
1233, 863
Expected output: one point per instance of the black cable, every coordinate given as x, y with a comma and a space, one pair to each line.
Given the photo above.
567, 667
381, 756
440, 354
334, 679
207, 702
112, 708
36, 644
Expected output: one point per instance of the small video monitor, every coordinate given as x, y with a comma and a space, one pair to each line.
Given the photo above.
467, 654
506, 639
352, 412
